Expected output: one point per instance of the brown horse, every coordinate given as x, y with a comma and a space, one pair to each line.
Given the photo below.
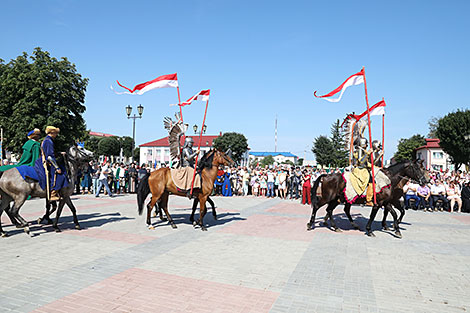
160, 184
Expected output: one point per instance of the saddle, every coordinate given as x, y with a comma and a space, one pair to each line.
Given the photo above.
351, 179
183, 176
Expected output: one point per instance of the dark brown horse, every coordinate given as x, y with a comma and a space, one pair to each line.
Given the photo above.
160, 184
332, 194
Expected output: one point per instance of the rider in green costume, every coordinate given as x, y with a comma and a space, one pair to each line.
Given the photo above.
31, 151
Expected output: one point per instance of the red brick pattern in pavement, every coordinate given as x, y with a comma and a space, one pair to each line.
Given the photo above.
280, 227
138, 290
463, 218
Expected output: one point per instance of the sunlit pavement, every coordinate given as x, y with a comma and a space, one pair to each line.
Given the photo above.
256, 257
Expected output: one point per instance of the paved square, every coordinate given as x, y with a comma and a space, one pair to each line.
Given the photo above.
256, 257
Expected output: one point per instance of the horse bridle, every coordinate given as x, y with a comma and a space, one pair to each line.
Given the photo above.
421, 180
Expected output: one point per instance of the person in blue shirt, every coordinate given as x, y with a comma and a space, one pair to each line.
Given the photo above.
57, 175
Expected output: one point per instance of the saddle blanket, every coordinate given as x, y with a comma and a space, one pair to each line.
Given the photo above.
359, 179
350, 194
182, 177
28, 171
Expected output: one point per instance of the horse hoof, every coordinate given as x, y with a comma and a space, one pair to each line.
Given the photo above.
370, 234
309, 227
39, 220
174, 226
194, 223
78, 227
151, 227
203, 228
27, 230
337, 230
57, 230
398, 234
355, 226
4, 235
386, 228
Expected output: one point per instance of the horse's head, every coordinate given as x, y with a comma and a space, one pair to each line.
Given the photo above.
416, 171
79, 155
221, 158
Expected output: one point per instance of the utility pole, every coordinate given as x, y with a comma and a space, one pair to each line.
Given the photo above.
1, 146
275, 135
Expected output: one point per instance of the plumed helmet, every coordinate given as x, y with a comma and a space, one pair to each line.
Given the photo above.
376, 144
363, 142
189, 140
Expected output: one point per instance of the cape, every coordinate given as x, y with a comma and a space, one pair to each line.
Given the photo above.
31, 152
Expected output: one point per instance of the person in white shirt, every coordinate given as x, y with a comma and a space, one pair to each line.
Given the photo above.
438, 193
103, 180
410, 190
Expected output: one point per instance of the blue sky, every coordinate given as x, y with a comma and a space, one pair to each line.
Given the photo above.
259, 58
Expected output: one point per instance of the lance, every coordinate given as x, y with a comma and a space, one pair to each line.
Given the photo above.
199, 147
370, 137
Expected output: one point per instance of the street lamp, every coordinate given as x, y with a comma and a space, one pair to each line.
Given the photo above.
140, 110
204, 128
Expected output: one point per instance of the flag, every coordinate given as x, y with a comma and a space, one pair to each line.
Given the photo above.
165, 81
353, 80
378, 108
202, 95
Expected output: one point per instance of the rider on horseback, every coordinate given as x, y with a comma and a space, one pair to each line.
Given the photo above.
47, 162
188, 154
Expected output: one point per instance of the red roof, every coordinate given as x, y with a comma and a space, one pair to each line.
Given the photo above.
206, 141
97, 134
430, 143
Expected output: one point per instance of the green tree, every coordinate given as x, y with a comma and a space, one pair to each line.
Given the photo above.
235, 141
340, 157
406, 148
137, 155
267, 160
45, 91
432, 123
323, 150
92, 144
300, 161
109, 146
452, 130
126, 143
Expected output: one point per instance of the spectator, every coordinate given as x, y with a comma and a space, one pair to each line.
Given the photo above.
306, 187
282, 184
438, 193
103, 180
453, 195
424, 194
132, 178
466, 197
410, 189
270, 181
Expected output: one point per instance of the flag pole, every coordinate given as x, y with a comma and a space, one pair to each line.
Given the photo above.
199, 146
370, 137
383, 137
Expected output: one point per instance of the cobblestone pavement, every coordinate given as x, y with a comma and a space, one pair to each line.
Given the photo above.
257, 257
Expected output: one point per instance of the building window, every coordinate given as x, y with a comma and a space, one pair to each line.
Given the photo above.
438, 155
149, 152
418, 156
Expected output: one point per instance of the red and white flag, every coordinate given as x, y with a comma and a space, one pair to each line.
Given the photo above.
202, 95
378, 108
353, 80
165, 81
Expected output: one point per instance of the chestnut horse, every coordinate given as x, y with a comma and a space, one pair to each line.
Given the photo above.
160, 184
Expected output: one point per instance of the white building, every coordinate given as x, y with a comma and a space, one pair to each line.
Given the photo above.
279, 157
158, 151
433, 155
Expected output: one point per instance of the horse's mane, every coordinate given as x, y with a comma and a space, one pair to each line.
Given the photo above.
395, 168
206, 160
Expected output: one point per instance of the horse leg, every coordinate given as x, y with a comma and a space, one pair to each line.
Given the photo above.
202, 211
195, 202
74, 212
395, 221
150, 205
329, 211
347, 210
401, 209
15, 211
214, 213
164, 204
3, 205
47, 216
57, 215
315, 207
384, 220
373, 213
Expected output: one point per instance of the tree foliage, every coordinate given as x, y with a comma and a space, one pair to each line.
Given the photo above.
91, 143
267, 160
340, 157
323, 150
406, 148
235, 141
432, 123
109, 146
451, 131
43, 92
127, 144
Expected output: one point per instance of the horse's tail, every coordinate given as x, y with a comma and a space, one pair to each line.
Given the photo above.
142, 192
313, 190
1, 173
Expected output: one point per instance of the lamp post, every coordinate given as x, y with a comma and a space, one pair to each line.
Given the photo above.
140, 110
204, 128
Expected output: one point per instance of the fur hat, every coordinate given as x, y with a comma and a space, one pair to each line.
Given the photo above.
52, 129
34, 133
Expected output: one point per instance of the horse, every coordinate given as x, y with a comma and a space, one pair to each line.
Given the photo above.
160, 184
332, 193
14, 188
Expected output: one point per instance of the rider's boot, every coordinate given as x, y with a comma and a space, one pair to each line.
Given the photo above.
369, 195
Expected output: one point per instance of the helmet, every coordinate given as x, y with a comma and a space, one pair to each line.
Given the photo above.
376, 145
188, 141
363, 142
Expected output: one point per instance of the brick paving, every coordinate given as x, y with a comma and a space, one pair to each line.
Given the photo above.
257, 257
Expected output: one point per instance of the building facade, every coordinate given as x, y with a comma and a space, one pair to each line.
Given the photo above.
158, 151
279, 157
433, 156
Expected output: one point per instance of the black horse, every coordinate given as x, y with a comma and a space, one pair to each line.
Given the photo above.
332, 193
